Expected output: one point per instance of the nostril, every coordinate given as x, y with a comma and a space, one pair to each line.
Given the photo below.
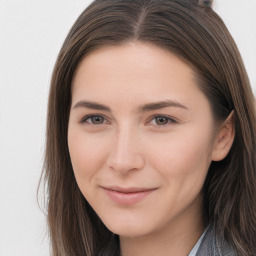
124, 163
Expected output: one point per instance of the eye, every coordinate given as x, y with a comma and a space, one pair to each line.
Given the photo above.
94, 119
162, 120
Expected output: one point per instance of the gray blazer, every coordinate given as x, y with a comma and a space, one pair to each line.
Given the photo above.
210, 247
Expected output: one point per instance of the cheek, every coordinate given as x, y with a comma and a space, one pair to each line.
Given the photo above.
182, 159
87, 155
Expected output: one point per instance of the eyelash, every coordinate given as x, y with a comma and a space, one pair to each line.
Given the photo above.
86, 118
170, 120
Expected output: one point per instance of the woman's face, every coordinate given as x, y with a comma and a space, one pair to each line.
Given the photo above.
141, 138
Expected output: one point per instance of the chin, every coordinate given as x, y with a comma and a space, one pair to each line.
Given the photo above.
129, 228
128, 232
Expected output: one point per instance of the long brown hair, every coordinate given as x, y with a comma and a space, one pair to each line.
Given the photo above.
194, 32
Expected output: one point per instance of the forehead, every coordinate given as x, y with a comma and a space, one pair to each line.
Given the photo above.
134, 53
134, 72
133, 59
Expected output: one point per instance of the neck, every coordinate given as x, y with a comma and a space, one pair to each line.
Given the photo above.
176, 238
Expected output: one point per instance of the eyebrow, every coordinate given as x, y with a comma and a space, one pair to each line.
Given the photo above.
160, 105
144, 108
91, 105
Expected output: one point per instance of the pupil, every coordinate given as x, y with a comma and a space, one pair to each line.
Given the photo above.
97, 120
161, 120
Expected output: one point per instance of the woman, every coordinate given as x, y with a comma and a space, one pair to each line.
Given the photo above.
151, 134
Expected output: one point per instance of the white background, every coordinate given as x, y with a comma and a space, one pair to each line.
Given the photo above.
31, 34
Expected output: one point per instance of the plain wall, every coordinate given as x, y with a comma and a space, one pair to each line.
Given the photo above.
31, 34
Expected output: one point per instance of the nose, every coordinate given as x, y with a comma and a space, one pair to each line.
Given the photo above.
125, 155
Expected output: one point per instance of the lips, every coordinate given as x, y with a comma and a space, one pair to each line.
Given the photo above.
127, 196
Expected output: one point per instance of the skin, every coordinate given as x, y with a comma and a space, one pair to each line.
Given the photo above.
126, 145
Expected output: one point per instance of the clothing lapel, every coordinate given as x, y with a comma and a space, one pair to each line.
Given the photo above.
211, 247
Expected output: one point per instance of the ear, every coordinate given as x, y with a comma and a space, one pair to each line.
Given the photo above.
224, 138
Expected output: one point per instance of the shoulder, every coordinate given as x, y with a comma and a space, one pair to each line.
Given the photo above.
211, 247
